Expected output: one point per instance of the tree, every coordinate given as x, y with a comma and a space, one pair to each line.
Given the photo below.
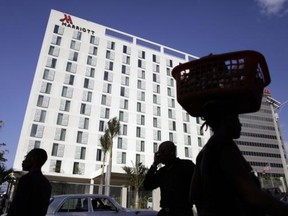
136, 176
113, 130
2, 151
104, 141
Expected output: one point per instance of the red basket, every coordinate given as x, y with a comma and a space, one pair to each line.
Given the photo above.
236, 78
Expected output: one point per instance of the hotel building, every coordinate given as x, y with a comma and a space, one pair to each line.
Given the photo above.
88, 74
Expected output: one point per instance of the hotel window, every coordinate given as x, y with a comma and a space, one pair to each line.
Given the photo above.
121, 157
91, 60
90, 72
76, 168
93, 50
82, 153
101, 125
79, 137
169, 92
140, 119
156, 68
156, 78
187, 140
54, 51
71, 67
73, 56
69, 79
187, 152
171, 102
155, 147
60, 134
170, 82
126, 49
141, 95
157, 135
51, 62
37, 130
124, 130
199, 141
123, 103
62, 119
40, 115
125, 80
141, 54
58, 166
169, 63
109, 65
55, 149
58, 29
126, 60
105, 113
77, 35
88, 83
65, 105
75, 45
56, 40
155, 58
120, 143
156, 88
48, 75
141, 64
106, 100
138, 159
140, 145
186, 117
87, 96
138, 132
46, 88
172, 125
125, 70
85, 109
155, 124
111, 45
185, 128
43, 101
156, 110
98, 155
168, 71
110, 55
124, 91
141, 74
156, 99
94, 40
171, 137
83, 123
67, 92
107, 87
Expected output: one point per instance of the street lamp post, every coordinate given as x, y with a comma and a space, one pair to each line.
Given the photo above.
276, 105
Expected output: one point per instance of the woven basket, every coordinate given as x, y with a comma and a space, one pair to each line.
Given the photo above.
237, 79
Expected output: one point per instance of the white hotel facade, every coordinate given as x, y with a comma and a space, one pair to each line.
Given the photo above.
86, 75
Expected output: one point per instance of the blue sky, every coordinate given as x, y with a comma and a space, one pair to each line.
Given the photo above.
198, 27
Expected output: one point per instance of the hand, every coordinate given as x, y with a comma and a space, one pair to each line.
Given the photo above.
156, 159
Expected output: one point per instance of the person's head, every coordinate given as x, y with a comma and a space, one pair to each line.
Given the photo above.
34, 159
227, 123
167, 152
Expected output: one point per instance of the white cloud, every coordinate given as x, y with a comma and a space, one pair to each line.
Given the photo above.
272, 7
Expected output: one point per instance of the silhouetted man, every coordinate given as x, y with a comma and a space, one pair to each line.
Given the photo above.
173, 179
33, 190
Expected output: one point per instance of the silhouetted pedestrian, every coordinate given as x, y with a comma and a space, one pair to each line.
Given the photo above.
33, 190
173, 179
223, 182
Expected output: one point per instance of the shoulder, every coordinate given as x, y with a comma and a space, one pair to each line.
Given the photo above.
186, 162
